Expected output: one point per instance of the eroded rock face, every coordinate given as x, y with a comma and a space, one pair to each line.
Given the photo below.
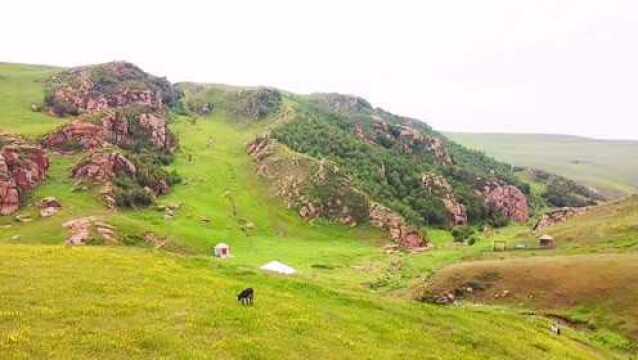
558, 216
438, 186
507, 200
401, 233
22, 168
100, 87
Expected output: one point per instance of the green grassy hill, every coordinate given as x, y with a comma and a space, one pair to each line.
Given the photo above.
107, 302
589, 277
350, 299
609, 166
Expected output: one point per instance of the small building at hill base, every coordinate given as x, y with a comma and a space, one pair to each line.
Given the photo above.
546, 242
222, 251
279, 268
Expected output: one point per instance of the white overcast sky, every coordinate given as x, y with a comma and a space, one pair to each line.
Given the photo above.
554, 66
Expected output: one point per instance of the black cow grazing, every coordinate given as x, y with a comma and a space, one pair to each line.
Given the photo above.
246, 297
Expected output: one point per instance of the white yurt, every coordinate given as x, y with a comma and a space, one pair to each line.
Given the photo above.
222, 250
279, 268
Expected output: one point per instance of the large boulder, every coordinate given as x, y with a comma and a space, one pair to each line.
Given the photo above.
22, 168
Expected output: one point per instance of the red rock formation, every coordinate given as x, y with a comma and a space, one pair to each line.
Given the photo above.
438, 186
404, 235
83, 230
79, 133
507, 200
22, 168
100, 87
102, 167
115, 129
409, 139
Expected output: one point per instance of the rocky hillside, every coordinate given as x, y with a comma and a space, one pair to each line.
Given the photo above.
23, 167
121, 125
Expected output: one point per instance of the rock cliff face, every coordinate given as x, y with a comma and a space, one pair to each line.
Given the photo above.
438, 186
22, 168
507, 200
558, 216
318, 189
100, 87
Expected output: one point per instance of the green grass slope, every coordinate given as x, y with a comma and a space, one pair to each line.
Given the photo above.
596, 289
121, 303
609, 166
20, 87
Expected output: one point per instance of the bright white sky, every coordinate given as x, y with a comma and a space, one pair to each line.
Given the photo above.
551, 66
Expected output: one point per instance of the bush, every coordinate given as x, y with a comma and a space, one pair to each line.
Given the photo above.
133, 198
498, 220
462, 233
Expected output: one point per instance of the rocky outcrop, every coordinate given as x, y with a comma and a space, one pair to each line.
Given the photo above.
123, 127
22, 168
89, 230
411, 140
315, 188
102, 167
256, 103
507, 200
49, 206
558, 216
318, 189
342, 103
77, 135
401, 233
99, 87
438, 186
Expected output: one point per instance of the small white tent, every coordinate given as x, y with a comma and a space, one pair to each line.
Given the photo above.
277, 267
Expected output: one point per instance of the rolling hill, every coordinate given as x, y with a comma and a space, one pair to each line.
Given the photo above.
603, 164
150, 288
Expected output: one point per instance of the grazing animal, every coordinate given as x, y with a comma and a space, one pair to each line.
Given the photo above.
555, 329
246, 297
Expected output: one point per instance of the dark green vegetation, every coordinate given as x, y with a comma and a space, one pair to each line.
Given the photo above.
609, 166
350, 299
387, 156
559, 191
